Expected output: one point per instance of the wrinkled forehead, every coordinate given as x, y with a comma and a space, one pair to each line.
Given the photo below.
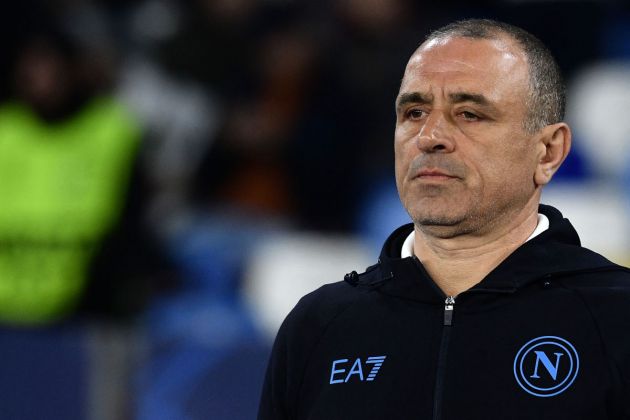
495, 61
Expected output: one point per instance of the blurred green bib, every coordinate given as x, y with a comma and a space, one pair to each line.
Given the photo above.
62, 188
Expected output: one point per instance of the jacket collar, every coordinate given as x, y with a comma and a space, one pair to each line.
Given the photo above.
554, 252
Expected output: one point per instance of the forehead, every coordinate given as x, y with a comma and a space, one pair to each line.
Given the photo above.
496, 68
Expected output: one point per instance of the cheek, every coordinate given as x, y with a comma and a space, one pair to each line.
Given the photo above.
403, 154
504, 173
401, 166
489, 169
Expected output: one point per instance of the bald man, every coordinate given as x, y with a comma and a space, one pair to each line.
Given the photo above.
486, 306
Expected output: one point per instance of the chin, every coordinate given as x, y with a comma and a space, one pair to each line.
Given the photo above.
436, 221
434, 216
432, 211
444, 226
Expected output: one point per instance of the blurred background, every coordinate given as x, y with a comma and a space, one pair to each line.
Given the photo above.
174, 175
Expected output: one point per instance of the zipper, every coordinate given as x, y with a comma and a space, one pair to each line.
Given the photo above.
449, 306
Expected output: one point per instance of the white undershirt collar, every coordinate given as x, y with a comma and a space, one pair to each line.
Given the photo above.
407, 248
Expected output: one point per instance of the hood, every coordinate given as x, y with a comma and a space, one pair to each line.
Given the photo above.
556, 251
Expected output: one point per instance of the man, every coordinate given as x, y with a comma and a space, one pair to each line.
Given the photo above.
486, 307
67, 153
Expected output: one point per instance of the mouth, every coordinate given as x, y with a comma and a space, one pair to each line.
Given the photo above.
434, 175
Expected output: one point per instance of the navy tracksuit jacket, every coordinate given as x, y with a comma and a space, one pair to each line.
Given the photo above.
546, 335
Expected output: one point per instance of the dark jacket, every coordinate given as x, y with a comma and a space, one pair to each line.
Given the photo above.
546, 335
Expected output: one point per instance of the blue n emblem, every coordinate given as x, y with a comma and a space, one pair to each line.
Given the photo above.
541, 356
556, 355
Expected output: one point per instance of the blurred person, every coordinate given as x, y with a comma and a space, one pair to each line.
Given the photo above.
214, 44
67, 152
261, 127
204, 329
486, 306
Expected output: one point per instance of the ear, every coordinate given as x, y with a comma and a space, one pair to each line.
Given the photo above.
554, 143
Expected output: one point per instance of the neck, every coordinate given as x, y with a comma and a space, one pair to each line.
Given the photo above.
456, 264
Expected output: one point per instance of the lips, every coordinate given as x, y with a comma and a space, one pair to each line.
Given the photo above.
433, 174
436, 167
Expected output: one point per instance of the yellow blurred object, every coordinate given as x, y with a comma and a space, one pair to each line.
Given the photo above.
62, 187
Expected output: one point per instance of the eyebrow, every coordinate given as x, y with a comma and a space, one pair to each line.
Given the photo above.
413, 98
455, 97
477, 98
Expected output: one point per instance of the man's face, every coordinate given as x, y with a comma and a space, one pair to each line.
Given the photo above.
463, 158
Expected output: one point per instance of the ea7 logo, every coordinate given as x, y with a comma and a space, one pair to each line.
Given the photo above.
342, 370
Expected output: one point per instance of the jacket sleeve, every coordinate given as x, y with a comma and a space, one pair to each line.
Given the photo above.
610, 306
299, 334
273, 402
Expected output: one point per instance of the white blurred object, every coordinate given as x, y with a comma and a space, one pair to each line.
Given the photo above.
285, 267
155, 20
597, 106
599, 214
180, 119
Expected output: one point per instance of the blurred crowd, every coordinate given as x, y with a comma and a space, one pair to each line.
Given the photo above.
149, 148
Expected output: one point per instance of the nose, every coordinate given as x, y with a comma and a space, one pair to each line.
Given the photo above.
435, 136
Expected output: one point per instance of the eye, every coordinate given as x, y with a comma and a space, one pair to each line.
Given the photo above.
469, 116
415, 114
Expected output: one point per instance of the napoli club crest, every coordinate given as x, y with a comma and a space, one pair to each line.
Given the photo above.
546, 366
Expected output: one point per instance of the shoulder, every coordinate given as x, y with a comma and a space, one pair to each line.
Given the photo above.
311, 317
601, 284
320, 307
323, 303
15, 114
595, 273
605, 291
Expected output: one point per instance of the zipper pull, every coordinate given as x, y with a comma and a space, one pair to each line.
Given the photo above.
448, 310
